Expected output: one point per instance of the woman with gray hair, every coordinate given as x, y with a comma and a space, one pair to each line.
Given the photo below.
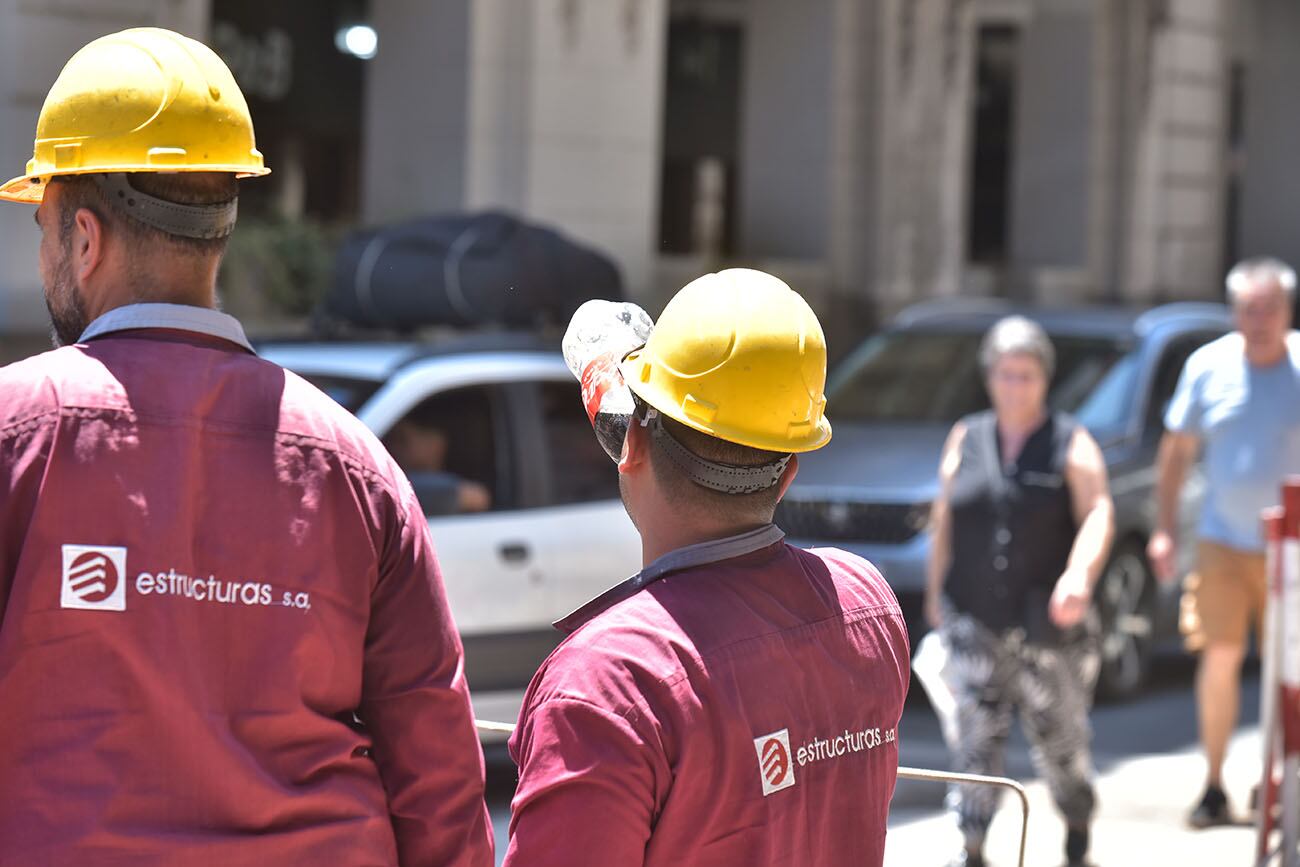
1021, 529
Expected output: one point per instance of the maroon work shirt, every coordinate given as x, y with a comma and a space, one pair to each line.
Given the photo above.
225, 639
735, 703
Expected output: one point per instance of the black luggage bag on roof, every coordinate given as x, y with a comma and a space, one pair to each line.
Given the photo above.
465, 270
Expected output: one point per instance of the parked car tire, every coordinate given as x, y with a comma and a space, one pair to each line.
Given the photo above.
1125, 598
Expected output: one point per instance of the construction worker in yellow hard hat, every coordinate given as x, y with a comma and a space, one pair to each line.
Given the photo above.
224, 635
737, 700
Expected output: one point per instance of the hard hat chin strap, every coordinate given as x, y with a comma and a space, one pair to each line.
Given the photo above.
727, 478
201, 222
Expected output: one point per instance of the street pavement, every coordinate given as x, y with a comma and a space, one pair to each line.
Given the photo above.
1149, 776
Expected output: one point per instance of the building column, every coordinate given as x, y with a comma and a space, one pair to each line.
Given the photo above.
1048, 255
549, 109
1268, 182
855, 40
1108, 151
923, 121
1178, 91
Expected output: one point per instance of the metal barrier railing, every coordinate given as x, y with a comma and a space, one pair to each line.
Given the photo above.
485, 725
1279, 791
980, 779
903, 772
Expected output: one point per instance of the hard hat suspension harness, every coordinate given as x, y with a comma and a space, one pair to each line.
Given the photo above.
726, 478
201, 222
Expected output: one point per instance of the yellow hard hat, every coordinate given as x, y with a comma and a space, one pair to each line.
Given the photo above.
142, 100
738, 355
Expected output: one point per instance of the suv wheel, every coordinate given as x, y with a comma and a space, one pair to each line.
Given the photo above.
1126, 607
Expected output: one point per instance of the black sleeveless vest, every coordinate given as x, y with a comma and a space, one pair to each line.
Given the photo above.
1011, 527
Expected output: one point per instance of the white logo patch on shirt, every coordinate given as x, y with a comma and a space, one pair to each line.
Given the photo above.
775, 764
94, 578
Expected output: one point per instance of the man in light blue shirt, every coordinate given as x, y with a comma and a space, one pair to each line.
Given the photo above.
1238, 402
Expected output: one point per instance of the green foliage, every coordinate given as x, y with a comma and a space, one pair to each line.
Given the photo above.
277, 267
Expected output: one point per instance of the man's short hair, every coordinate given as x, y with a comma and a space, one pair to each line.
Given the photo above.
757, 507
1250, 271
182, 188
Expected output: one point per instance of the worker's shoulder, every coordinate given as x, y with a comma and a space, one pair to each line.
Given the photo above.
638, 630
624, 660
175, 382
715, 622
684, 617
857, 579
32, 387
310, 415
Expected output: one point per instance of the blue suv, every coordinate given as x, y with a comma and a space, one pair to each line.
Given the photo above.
894, 399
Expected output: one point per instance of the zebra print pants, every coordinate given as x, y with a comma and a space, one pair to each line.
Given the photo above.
991, 676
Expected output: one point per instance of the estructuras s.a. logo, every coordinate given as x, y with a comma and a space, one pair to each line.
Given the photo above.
94, 578
775, 763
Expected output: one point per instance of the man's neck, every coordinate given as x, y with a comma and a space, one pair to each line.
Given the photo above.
115, 300
1265, 356
659, 541
166, 279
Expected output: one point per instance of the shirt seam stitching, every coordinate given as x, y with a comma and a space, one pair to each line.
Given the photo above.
14, 429
630, 712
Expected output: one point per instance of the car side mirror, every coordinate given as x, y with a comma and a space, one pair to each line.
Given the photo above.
438, 493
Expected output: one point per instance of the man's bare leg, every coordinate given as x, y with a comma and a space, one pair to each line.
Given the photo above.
1218, 688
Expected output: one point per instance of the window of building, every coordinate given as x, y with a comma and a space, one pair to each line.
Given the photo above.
997, 50
701, 135
1236, 161
305, 97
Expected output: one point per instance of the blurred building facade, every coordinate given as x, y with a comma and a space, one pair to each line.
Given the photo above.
874, 152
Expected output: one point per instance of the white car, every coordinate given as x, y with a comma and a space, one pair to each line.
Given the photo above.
513, 428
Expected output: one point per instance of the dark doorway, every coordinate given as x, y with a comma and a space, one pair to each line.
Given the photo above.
701, 131
1236, 161
305, 97
997, 61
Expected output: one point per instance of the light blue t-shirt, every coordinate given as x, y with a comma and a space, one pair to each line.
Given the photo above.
1248, 419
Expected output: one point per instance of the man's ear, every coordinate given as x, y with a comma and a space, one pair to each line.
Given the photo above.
636, 447
791, 470
87, 243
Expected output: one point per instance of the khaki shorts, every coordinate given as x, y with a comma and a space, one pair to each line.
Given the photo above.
1222, 598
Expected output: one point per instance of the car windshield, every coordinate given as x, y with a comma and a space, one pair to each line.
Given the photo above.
347, 392
919, 376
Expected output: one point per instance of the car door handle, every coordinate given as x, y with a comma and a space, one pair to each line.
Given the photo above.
514, 552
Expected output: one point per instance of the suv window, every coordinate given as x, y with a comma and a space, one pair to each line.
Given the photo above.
1108, 407
1170, 368
454, 448
578, 467
920, 376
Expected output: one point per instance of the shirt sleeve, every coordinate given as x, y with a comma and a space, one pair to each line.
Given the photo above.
1186, 408
415, 704
587, 784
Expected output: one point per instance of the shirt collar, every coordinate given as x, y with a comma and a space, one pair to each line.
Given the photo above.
701, 554
201, 320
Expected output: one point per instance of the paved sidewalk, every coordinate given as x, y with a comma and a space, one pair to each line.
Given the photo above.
1142, 808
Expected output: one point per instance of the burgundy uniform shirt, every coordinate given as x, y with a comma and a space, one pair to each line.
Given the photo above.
735, 703
223, 635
